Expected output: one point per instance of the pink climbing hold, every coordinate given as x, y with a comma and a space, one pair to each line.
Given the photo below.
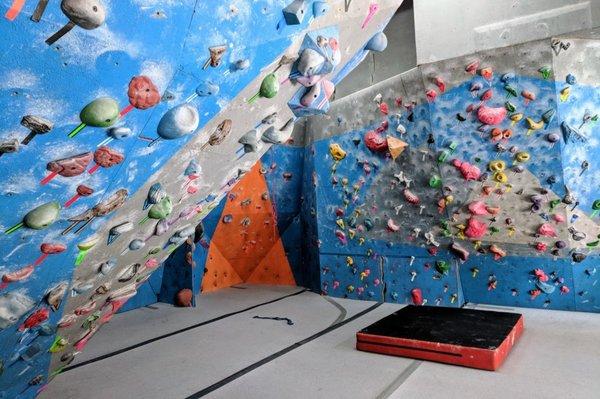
541, 247
541, 275
441, 85
490, 115
392, 226
487, 95
475, 228
341, 236
558, 218
478, 208
431, 95
564, 289
498, 252
487, 73
469, 172
417, 296
411, 197
547, 230
384, 109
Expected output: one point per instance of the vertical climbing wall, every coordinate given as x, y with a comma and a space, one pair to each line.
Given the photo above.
123, 124
468, 179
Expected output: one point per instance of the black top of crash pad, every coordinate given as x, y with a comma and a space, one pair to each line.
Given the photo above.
464, 327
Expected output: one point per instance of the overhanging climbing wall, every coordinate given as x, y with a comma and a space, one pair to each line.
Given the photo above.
123, 123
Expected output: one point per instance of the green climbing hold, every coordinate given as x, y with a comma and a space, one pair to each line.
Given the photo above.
102, 112
58, 344
554, 203
442, 267
510, 107
435, 181
510, 91
546, 71
161, 209
42, 216
268, 88
596, 205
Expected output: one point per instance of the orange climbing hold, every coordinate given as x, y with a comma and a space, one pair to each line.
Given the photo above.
14, 10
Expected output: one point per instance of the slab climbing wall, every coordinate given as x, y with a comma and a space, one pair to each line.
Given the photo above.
467, 179
123, 124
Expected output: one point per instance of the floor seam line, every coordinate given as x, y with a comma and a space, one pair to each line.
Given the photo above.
173, 333
401, 379
278, 354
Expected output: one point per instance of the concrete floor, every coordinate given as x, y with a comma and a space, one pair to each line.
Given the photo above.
239, 356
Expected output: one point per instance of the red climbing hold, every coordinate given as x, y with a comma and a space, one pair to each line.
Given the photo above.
417, 296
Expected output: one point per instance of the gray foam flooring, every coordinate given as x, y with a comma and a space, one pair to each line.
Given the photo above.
557, 357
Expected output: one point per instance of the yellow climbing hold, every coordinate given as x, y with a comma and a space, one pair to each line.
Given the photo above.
497, 165
522, 156
533, 125
516, 118
337, 152
500, 177
565, 93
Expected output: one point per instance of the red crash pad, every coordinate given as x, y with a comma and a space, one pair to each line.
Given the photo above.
465, 337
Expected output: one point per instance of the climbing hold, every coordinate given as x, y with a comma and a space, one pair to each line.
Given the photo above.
269, 88
184, 298
546, 230
491, 116
396, 146
294, 12
472, 67
337, 152
87, 14
443, 267
469, 172
206, 89
475, 228
377, 43
178, 122
497, 251
55, 295
487, 73
417, 296
13, 305
497, 166
457, 250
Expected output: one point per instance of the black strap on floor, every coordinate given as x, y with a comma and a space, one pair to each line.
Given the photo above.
151, 340
275, 355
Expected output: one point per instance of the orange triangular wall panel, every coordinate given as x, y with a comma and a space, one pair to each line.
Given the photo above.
247, 235
274, 268
219, 273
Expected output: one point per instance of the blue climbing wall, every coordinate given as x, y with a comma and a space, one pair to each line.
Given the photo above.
204, 59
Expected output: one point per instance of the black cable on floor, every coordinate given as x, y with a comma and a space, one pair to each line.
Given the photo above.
282, 352
151, 340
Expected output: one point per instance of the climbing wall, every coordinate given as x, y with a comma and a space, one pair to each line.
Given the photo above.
377, 219
577, 77
463, 180
123, 124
